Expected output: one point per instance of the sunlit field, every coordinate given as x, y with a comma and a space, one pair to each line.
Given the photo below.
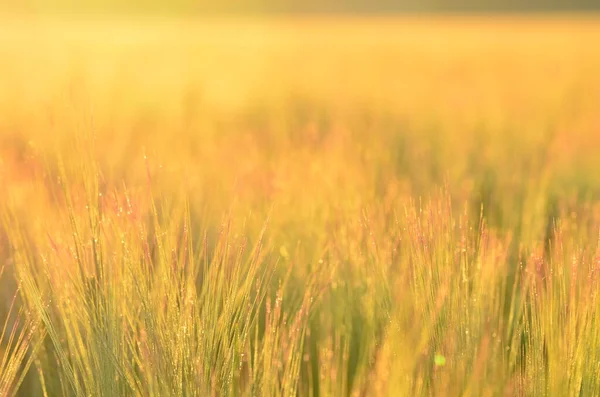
300, 207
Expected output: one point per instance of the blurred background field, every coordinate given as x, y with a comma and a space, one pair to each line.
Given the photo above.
503, 110
428, 188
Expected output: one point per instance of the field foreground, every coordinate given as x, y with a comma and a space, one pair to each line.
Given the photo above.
313, 207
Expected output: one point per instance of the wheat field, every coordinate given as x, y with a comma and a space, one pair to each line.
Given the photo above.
404, 206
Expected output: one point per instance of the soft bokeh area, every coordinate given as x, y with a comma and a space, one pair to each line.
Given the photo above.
299, 205
261, 7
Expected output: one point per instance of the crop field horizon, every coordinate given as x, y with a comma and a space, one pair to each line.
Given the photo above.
300, 206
